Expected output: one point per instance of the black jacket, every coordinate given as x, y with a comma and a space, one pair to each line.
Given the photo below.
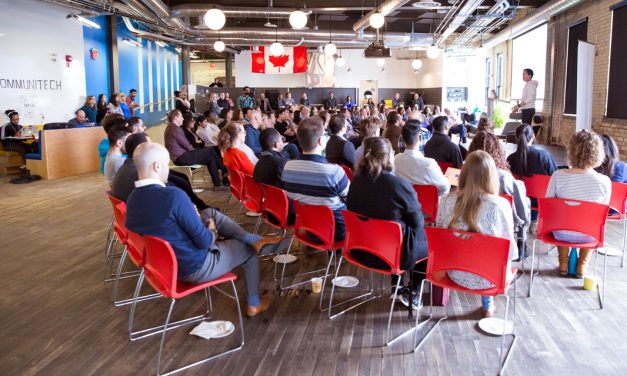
442, 149
269, 168
340, 151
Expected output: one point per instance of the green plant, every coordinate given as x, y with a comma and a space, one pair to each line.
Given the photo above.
500, 115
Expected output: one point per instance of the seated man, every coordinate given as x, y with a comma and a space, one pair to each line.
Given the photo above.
339, 150
311, 180
251, 126
167, 213
115, 156
80, 120
456, 126
440, 147
124, 181
103, 147
412, 166
269, 168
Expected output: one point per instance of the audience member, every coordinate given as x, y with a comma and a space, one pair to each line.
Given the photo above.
216, 83
349, 103
114, 106
477, 207
280, 102
122, 102
223, 103
440, 147
412, 166
232, 142
226, 115
580, 182
207, 131
485, 124
264, 103
251, 127
213, 106
330, 102
14, 129
289, 101
90, 110
103, 147
271, 162
612, 166
284, 125
200, 255
136, 125
339, 150
304, 100
130, 102
101, 107
392, 132
182, 103
396, 101
368, 127
80, 120
189, 126
455, 125
115, 157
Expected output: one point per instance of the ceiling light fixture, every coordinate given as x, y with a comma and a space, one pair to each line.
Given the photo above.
329, 48
349, 70
276, 48
380, 62
298, 19
161, 44
377, 20
215, 19
426, 4
340, 61
83, 21
131, 42
433, 51
219, 46
416, 64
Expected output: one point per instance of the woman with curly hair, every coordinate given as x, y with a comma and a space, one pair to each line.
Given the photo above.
580, 182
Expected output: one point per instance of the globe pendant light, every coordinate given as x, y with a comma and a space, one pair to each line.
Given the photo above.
340, 62
433, 52
416, 64
219, 46
215, 19
377, 20
329, 48
276, 48
298, 19
380, 62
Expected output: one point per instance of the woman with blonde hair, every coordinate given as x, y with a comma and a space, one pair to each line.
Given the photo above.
477, 207
232, 143
580, 182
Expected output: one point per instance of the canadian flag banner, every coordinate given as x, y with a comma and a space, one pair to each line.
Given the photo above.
293, 60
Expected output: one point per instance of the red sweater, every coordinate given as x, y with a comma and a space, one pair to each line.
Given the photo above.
235, 159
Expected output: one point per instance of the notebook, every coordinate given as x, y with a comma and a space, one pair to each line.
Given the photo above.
452, 175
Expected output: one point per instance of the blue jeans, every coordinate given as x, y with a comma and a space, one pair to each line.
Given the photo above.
486, 302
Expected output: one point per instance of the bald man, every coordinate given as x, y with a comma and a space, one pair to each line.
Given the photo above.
80, 120
167, 212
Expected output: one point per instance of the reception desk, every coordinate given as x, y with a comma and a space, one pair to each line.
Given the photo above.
67, 152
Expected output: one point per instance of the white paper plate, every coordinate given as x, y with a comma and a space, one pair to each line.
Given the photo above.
213, 329
494, 326
252, 214
345, 281
284, 259
611, 251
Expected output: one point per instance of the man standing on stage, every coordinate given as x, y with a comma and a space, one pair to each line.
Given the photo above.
528, 100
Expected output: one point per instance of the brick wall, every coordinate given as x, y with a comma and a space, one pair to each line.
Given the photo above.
599, 32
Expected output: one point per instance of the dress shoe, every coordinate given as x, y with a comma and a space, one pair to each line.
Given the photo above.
264, 304
487, 313
260, 244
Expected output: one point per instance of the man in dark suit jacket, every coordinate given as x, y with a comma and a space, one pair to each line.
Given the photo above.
339, 150
264, 103
440, 147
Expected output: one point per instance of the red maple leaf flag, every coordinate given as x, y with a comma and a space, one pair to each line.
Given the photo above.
293, 60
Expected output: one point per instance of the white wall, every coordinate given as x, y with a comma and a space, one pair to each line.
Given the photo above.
399, 73
33, 32
465, 71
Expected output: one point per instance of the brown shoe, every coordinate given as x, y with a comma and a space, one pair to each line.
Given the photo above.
265, 241
487, 313
252, 311
563, 259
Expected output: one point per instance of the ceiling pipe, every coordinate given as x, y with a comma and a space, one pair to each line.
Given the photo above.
531, 20
464, 12
385, 8
138, 7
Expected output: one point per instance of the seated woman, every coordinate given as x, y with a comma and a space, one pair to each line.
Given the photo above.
13, 129
376, 192
580, 182
189, 128
225, 116
507, 184
476, 207
485, 124
612, 166
232, 143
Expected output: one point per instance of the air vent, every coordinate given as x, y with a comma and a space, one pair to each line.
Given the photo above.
426, 4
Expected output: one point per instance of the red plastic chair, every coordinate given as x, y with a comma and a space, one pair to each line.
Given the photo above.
444, 166
555, 214
160, 270
347, 171
483, 255
536, 186
429, 200
318, 221
275, 209
382, 239
253, 198
237, 189
117, 236
618, 203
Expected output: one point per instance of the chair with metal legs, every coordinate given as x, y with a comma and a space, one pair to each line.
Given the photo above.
618, 202
587, 218
237, 190
483, 255
160, 270
428, 197
253, 198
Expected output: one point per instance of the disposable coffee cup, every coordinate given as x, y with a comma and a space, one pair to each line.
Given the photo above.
588, 282
316, 285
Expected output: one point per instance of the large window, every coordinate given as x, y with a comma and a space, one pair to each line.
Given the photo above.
499, 74
529, 51
617, 84
487, 76
576, 32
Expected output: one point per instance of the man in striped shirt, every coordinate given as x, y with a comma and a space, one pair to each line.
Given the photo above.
310, 179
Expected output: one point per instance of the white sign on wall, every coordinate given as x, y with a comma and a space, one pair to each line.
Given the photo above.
36, 78
585, 80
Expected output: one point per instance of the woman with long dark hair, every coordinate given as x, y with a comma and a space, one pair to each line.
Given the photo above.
114, 107
101, 106
612, 166
376, 192
189, 127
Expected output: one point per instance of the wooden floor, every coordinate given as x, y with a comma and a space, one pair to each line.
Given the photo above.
57, 317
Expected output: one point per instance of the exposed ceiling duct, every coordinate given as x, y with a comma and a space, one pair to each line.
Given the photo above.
531, 20
462, 15
385, 8
494, 17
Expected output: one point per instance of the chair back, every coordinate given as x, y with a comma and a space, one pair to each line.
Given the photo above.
618, 199
135, 248
275, 206
509, 198
236, 179
444, 166
383, 239
314, 220
483, 255
119, 214
428, 198
347, 171
586, 217
160, 266
252, 193
536, 185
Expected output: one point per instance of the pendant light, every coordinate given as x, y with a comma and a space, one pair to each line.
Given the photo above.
215, 19
329, 48
276, 48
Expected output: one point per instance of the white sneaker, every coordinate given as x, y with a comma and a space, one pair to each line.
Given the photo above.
252, 214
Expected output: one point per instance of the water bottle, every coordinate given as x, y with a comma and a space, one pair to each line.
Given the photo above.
572, 262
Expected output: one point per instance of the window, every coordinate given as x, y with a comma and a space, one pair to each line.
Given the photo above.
488, 69
529, 51
499, 74
617, 82
576, 32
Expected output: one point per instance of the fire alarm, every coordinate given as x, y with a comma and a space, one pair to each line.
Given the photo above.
93, 53
68, 60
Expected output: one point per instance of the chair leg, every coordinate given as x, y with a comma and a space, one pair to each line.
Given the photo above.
387, 333
531, 272
602, 296
622, 261
117, 276
368, 295
324, 279
226, 203
503, 361
418, 344
165, 330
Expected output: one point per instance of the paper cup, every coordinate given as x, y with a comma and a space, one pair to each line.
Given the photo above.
588, 282
316, 285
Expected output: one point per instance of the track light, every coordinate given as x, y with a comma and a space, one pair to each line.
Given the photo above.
83, 21
131, 42
161, 44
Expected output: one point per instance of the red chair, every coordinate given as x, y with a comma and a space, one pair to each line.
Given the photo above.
237, 190
160, 270
318, 221
555, 214
618, 203
536, 186
347, 171
275, 209
483, 255
379, 238
509, 198
428, 198
253, 198
444, 166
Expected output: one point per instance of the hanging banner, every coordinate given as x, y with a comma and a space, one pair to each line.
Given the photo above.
320, 70
293, 60
585, 81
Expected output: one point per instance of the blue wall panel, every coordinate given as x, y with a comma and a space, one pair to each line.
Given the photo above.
96, 71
